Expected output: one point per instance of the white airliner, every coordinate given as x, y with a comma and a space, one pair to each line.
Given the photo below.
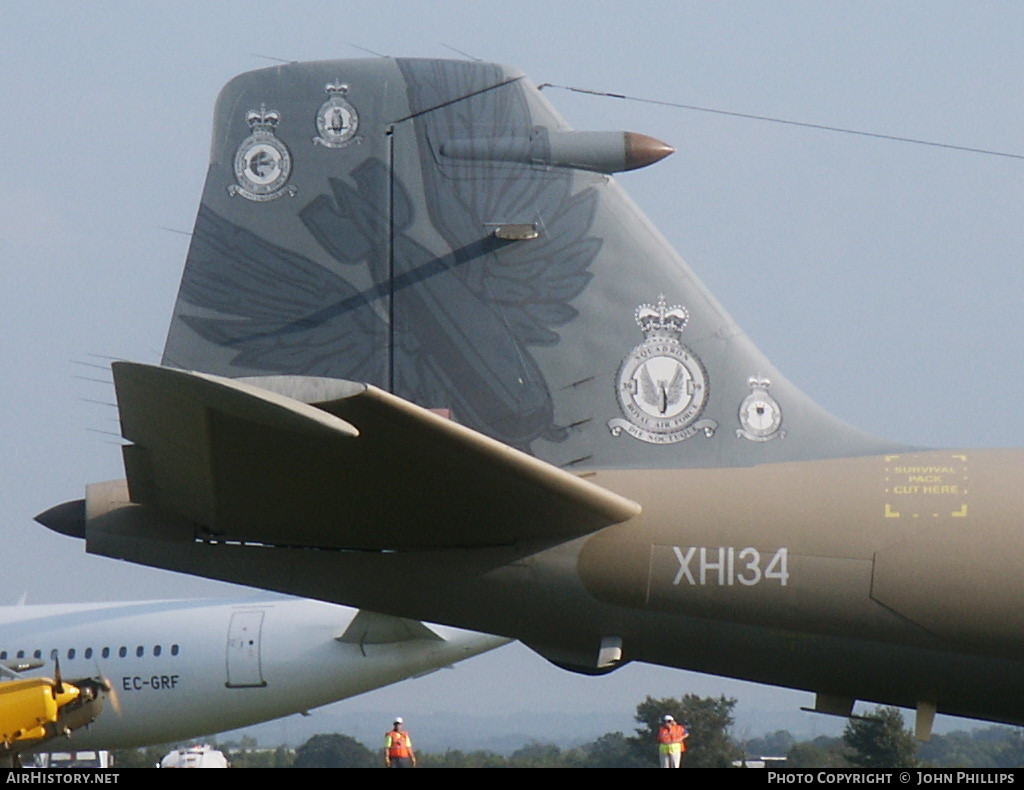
181, 669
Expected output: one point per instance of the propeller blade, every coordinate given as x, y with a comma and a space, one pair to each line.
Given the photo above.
58, 683
108, 687
115, 701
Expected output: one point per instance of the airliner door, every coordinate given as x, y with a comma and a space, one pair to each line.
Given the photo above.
243, 650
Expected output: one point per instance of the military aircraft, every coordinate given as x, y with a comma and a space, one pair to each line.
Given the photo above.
423, 336
181, 669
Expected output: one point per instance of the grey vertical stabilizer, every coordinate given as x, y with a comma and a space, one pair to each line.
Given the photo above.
434, 228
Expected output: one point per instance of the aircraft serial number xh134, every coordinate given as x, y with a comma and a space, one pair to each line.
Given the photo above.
428, 358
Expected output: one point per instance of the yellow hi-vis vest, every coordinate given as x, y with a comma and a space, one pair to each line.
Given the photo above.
670, 739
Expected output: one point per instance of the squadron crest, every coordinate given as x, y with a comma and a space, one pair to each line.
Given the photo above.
760, 414
662, 386
336, 120
262, 162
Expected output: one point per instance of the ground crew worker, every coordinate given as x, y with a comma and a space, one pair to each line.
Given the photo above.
398, 751
671, 742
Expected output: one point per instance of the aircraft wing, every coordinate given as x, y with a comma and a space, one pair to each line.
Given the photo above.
11, 668
304, 461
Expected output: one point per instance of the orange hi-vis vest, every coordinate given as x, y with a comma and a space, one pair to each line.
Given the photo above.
670, 739
397, 744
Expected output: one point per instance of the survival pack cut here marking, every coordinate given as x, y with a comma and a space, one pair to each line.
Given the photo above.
932, 491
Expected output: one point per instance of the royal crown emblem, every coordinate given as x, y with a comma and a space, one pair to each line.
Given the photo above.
661, 385
760, 414
336, 120
262, 162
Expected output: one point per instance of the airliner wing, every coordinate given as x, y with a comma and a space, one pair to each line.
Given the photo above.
10, 669
302, 461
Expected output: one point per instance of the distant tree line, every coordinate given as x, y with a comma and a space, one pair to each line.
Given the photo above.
878, 740
709, 720
887, 744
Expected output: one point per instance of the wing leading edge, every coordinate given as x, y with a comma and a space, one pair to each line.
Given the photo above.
324, 463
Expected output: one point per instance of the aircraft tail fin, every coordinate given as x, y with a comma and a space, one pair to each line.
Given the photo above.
371, 628
436, 229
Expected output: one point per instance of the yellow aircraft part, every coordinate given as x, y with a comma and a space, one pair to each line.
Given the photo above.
26, 706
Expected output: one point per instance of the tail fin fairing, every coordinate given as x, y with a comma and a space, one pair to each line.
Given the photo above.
349, 228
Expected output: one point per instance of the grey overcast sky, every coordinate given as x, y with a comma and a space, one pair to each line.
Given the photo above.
883, 278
